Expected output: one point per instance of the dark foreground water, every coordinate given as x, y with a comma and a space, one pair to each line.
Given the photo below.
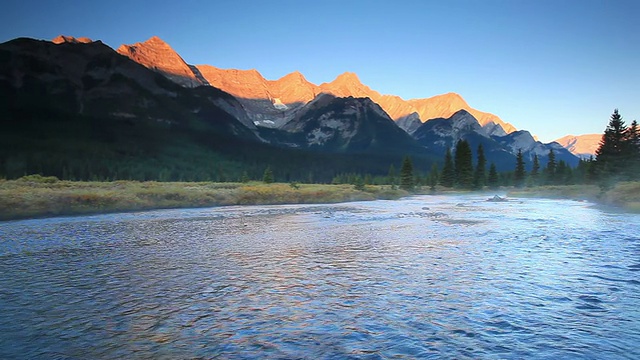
426, 277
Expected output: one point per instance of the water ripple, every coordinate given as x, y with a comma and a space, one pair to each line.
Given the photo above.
426, 277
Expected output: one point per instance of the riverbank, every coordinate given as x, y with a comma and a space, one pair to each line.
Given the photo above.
36, 196
624, 195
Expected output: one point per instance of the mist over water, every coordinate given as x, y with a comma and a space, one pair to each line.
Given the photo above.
424, 277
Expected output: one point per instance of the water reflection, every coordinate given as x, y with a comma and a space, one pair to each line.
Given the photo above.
451, 277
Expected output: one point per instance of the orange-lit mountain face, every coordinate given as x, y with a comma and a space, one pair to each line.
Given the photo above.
158, 55
272, 103
70, 39
581, 145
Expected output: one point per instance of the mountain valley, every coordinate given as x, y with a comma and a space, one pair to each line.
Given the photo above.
75, 107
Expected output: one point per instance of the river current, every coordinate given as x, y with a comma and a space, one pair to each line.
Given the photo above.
423, 277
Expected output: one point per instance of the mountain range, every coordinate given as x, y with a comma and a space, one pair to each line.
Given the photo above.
143, 104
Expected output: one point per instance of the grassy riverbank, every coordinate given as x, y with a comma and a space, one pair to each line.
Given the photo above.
35, 196
625, 195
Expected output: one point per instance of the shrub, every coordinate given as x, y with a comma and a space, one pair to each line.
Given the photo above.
39, 179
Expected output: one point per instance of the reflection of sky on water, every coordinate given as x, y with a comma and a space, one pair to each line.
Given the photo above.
442, 276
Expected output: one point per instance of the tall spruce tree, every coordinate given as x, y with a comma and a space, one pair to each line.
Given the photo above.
550, 170
479, 176
613, 149
493, 181
535, 171
520, 173
391, 177
632, 138
463, 165
432, 179
407, 182
447, 177
561, 172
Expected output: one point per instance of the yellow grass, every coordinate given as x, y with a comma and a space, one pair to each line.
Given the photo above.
35, 196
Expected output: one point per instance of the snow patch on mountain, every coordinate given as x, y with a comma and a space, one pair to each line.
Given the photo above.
277, 103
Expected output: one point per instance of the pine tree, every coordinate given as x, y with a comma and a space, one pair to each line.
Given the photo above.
432, 179
550, 170
561, 172
535, 171
632, 138
391, 178
447, 177
611, 153
406, 175
520, 173
267, 177
479, 177
359, 183
463, 165
493, 180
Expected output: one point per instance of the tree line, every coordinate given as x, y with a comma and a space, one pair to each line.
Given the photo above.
617, 159
618, 154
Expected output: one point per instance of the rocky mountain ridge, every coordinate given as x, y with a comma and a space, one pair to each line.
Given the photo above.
137, 88
272, 103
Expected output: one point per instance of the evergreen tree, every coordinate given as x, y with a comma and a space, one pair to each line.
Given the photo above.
447, 177
391, 178
245, 177
432, 179
580, 175
550, 171
520, 173
479, 177
632, 138
493, 180
561, 172
613, 149
406, 175
267, 177
592, 171
535, 171
463, 165
359, 183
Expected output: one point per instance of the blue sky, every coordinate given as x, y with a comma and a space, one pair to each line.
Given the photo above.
551, 67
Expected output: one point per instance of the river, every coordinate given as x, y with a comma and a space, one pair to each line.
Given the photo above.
423, 277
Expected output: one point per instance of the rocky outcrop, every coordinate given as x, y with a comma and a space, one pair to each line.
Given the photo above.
582, 146
157, 55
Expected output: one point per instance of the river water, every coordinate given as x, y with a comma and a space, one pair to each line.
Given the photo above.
423, 277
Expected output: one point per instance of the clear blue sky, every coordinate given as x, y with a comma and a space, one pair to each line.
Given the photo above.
553, 67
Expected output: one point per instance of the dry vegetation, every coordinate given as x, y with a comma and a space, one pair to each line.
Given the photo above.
37, 196
625, 195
